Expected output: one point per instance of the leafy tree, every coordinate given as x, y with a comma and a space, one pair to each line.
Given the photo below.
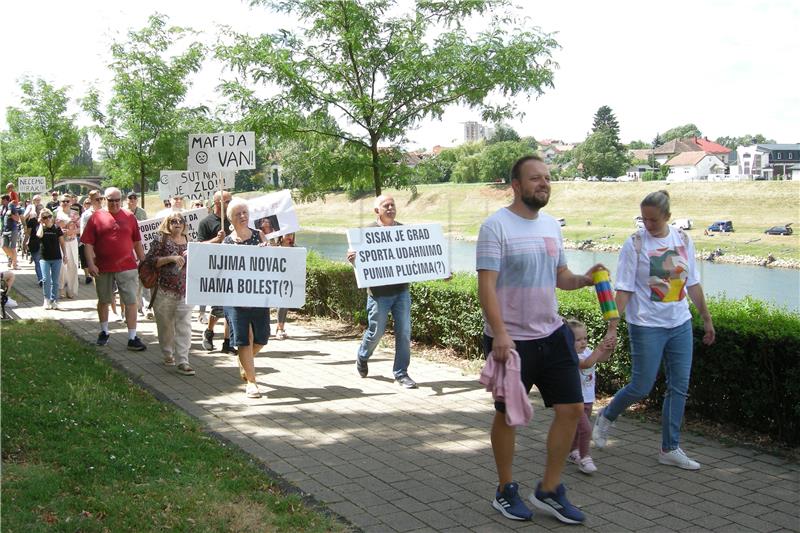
378, 73
638, 145
604, 118
680, 132
745, 140
141, 128
498, 158
602, 155
83, 164
42, 136
503, 132
467, 170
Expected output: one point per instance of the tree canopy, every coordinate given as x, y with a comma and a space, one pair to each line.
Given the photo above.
604, 118
744, 140
361, 73
602, 155
141, 128
42, 138
680, 132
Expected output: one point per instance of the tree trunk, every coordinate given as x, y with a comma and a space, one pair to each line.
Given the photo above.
376, 171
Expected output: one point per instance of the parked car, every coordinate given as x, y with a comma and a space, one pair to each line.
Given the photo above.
625, 178
562, 221
785, 229
722, 225
682, 223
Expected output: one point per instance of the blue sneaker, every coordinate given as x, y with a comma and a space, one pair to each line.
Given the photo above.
557, 504
510, 504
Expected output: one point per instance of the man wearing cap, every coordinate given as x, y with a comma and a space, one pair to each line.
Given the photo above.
53, 204
133, 207
112, 237
10, 220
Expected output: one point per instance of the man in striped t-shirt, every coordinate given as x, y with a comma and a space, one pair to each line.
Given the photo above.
520, 262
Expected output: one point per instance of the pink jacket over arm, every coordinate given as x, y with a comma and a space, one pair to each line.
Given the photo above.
505, 384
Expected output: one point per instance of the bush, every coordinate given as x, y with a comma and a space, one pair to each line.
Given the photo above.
749, 377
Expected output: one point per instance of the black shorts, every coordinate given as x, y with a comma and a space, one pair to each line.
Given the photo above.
549, 363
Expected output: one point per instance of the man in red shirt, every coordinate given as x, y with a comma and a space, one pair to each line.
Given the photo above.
110, 238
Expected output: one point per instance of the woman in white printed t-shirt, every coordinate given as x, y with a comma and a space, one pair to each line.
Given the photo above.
656, 271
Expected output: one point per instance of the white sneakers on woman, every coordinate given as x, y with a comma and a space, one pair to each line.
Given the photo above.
678, 457
252, 391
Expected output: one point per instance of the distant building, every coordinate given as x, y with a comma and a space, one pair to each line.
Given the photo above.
768, 161
475, 131
692, 166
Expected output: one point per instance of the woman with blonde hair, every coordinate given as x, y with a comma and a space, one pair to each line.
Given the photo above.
54, 255
173, 316
250, 324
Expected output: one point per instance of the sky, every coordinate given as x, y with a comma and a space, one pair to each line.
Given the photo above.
728, 66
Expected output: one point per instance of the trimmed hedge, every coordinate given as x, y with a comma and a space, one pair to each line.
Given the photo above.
749, 377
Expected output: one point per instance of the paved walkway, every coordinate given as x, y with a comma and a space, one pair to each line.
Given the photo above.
389, 459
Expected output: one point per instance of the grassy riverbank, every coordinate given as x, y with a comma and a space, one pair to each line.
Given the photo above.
752, 206
86, 450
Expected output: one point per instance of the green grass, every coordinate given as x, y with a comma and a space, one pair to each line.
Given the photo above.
460, 208
86, 450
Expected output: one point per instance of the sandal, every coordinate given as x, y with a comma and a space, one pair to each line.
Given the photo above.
169, 361
185, 369
280, 334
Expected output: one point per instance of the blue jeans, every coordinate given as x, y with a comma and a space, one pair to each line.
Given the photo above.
51, 270
378, 309
36, 257
649, 346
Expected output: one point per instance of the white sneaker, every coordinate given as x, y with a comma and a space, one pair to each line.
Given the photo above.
54, 305
252, 391
203, 318
677, 457
46, 305
11, 303
587, 465
574, 457
602, 426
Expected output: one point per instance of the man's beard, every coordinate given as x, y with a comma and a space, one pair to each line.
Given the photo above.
534, 203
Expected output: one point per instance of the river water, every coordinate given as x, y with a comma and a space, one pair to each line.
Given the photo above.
777, 286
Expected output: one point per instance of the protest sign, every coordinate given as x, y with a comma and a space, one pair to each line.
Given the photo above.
222, 151
149, 228
32, 184
273, 214
399, 254
193, 184
245, 276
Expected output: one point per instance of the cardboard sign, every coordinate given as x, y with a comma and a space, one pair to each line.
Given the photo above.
273, 214
193, 185
245, 276
149, 228
32, 184
399, 254
222, 151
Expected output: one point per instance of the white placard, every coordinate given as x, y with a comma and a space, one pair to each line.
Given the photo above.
399, 254
32, 184
193, 184
222, 151
273, 214
245, 276
149, 228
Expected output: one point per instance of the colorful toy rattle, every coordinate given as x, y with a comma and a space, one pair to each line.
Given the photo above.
605, 295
